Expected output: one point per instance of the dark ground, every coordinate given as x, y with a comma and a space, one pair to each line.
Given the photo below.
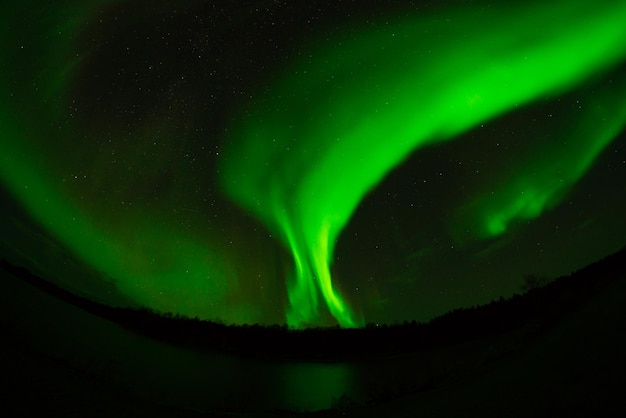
59, 360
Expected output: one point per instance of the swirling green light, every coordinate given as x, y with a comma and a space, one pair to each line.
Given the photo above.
335, 123
151, 259
546, 178
301, 158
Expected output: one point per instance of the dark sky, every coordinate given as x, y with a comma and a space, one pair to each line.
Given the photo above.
310, 162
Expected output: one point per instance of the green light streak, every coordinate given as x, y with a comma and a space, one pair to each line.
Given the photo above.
150, 259
329, 128
543, 182
327, 131
175, 275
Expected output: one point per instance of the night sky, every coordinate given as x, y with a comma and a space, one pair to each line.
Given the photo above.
310, 163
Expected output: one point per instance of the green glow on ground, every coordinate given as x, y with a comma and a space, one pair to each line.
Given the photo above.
334, 124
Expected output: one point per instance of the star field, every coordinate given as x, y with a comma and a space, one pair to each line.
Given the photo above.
312, 164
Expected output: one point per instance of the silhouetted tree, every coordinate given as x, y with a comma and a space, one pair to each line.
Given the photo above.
533, 281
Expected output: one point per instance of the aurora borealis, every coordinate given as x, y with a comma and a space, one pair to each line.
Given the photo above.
316, 164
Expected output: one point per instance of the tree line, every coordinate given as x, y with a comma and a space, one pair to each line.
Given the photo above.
537, 309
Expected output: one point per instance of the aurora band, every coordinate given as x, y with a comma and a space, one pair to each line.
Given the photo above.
331, 125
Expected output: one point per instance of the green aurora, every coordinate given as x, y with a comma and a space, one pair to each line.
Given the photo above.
324, 132
335, 124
